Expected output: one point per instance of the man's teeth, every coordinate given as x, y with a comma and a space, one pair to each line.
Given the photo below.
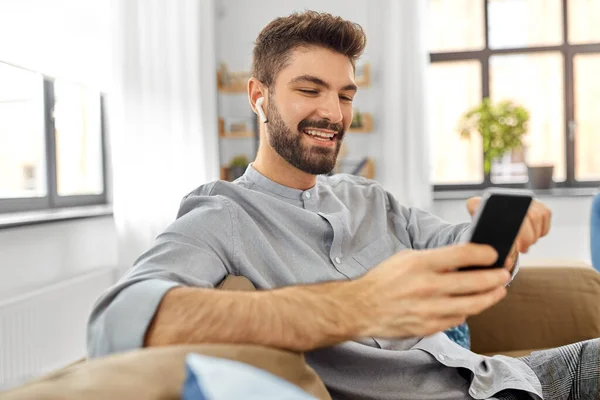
319, 133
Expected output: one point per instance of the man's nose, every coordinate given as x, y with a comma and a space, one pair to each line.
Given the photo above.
330, 109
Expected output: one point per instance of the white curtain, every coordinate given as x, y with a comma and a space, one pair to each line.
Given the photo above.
162, 111
405, 165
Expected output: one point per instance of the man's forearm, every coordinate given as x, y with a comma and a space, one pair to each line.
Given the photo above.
299, 318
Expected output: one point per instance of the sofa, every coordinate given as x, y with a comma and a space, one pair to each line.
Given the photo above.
546, 306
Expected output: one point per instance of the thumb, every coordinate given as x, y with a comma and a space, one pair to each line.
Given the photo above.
472, 204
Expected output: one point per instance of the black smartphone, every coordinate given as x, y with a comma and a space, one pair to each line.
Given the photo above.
498, 221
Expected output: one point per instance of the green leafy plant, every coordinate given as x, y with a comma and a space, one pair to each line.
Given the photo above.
357, 119
501, 126
239, 161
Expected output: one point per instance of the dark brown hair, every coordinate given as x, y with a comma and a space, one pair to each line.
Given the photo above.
275, 43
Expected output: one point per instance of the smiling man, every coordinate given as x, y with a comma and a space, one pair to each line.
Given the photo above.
361, 284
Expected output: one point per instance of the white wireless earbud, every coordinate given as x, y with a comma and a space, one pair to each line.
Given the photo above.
261, 112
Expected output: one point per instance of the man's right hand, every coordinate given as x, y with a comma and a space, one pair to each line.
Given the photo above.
418, 293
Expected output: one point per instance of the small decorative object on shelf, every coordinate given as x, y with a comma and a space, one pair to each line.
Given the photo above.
361, 122
231, 82
235, 128
340, 159
363, 75
236, 168
366, 168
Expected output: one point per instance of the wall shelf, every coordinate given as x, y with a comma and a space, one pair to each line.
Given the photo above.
239, 87
241, 131
364, 79
231, 82
236, 135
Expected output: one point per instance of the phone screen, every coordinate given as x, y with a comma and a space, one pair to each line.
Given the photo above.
499, 223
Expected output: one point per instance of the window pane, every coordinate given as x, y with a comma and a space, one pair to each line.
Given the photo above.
22, 143
587, 104
456, 25
584, 20
78, 140
534, 81
523, 23
455, 88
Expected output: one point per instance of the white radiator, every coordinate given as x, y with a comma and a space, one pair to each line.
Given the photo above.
46, 328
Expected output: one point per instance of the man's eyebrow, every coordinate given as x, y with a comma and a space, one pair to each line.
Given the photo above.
321, 82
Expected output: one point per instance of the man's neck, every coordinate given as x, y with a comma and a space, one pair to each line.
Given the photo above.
274, 167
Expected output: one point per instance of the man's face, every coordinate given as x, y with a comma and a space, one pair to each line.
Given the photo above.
311, 108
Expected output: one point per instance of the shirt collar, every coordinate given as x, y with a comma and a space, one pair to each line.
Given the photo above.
276, 188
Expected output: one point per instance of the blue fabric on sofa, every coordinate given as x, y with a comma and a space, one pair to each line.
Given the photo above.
595, 232
211, 378
461, 335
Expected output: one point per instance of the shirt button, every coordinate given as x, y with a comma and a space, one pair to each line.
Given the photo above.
307, 195
441, 357
337, 260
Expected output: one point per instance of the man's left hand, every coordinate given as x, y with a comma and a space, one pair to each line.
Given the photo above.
535, 226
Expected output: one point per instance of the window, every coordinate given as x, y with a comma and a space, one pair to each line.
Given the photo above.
542, 54
51, 143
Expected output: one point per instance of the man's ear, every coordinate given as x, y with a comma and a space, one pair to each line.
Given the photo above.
256, 91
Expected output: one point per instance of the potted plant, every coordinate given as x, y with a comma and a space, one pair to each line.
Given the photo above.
237, 167
357, 119
502, 127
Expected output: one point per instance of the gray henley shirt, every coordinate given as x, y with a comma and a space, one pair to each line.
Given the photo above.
278, 236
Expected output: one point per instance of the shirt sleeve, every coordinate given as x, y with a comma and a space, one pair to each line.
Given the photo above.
191, 252
427, 231
424, 230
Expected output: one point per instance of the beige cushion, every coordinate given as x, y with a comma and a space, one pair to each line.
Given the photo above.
545, 307
159, 373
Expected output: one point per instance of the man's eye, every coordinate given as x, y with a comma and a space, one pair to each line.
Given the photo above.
308, 91
346, 98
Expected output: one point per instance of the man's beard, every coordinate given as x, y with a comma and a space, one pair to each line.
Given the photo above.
315, 160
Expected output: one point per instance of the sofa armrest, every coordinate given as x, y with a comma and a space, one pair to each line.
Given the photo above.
545, 307
159, 373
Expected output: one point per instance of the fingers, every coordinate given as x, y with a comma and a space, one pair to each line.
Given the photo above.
535, 226
547, 221
469, 282
511, 259
537, 223
472, 204
453, 257
526, 236
434, 315
450, 307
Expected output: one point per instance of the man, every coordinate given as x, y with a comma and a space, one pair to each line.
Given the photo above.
362, 284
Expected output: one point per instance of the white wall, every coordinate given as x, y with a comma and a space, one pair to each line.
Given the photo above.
569, 235
35, 256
